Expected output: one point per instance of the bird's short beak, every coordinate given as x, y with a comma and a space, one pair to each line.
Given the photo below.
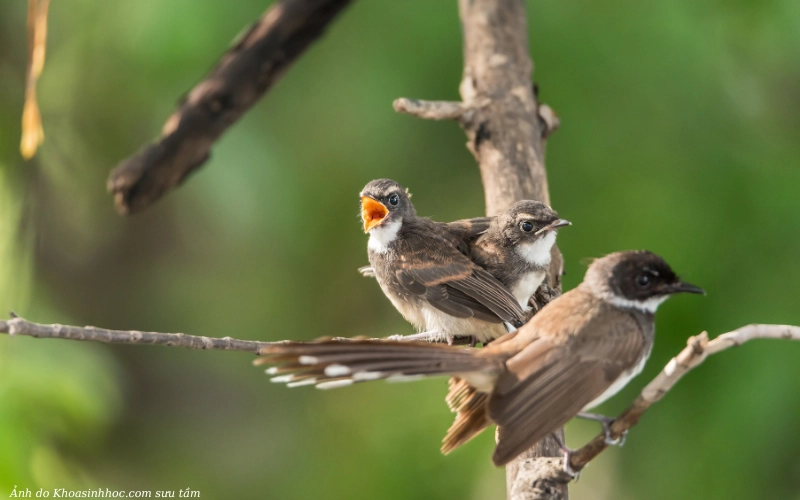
553, 226
682, 286
372, 212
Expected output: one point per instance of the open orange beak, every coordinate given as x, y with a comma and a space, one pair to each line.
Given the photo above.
372, 212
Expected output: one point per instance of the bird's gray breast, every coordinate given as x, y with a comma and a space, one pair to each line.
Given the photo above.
408, 304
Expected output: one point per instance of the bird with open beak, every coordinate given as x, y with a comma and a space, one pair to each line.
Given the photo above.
422, 268
578, 351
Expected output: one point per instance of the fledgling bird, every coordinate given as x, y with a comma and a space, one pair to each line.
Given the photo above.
578, 351
421, 267
516, 247
513, 247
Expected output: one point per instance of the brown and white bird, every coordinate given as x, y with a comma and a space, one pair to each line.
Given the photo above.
516, 247
513, 247
421, 267
578, 351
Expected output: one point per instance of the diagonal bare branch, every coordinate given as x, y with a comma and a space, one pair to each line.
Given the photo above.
698, 348
242, 75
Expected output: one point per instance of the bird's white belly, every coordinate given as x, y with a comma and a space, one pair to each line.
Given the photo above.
441, 325
449, 326
618, 384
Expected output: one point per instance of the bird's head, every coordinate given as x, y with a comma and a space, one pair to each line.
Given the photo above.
384, 201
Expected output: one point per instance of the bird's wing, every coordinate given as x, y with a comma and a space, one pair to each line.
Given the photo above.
469, 228
452, 283
545, 387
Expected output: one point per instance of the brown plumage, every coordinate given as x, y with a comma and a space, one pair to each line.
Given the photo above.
577, 351
422, 267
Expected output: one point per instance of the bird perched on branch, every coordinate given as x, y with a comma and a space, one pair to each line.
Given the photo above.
424, 267
516, 247
578, 351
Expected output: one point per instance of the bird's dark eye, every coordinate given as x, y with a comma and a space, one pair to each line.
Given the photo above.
394, 200
526, 226
643, 280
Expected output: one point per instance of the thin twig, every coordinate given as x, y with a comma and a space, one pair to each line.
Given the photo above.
242, 75
20, 326
698, 348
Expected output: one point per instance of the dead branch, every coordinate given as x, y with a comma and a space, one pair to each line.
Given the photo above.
698, 348
430, 110
242, 75
20, 326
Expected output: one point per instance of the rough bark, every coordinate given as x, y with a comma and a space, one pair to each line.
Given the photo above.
242, 75
504, 132
507, 139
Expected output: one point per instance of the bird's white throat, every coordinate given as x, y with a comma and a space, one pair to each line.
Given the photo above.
538, 252
380, 237
650, 305
526, 287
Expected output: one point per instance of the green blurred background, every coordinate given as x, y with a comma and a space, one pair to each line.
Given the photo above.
681, 134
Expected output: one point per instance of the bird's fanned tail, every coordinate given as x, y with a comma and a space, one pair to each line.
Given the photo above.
335, 363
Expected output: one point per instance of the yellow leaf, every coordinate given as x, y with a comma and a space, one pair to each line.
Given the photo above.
32, 130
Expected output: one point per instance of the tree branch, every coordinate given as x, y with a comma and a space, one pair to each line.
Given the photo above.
698, 348
242, 75
19, 326
506, 133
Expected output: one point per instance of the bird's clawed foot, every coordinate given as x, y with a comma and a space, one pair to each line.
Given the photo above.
567, 455
606, 423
